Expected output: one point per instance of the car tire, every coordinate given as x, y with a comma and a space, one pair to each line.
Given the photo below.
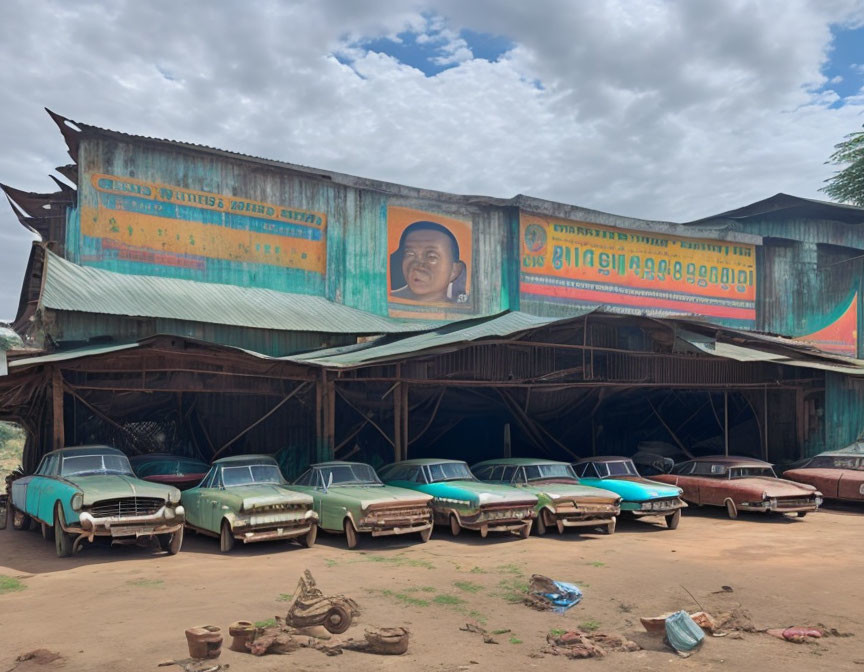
63, 542
525, 532
337, 620
171, 542
455, 527
308, 539
226, 538
801, 514
731, 509
47, 532
609, 528
425, 535
673, 519
20, 520
542, 527
352, 539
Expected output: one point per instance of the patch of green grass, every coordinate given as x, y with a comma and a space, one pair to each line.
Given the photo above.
478, 570
9, 584
510, 569
597, 564
449, 600
590, 625
468, 586
478, 616
330, 562
269, 623
512, 589
397, 561
285, 597
514, 639
429, 589
503, 631
147, 583
557, 632
405, 598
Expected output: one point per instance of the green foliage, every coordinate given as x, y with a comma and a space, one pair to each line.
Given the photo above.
404, 598
468, 586
447, 599
512, 589
590, 625
269, 623
10, 432
847, 184
515, 640
9, 584
556, 632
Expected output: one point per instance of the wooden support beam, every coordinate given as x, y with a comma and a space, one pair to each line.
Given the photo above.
59, 430
397, 423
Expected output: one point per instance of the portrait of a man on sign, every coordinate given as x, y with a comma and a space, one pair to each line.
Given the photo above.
429, 262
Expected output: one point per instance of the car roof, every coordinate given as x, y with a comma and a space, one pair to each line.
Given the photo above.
243, 459
333, 463
603, 458
426, 460
517, 461
732, 460
94, 449
137, 459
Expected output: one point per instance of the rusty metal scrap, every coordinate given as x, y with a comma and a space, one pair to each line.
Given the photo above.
309, 606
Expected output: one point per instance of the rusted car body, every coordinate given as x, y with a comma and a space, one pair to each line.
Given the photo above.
838, 474
740, 484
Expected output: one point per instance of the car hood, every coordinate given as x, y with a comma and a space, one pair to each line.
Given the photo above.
96, 487
776, 487
250, 497
480, 494
827, 473
558, 491
379, 496
636, 488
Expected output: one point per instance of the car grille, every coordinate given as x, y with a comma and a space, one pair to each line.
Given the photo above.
396, 514
793, 503
126, 506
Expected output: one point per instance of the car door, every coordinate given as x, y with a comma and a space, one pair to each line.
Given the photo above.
194, 501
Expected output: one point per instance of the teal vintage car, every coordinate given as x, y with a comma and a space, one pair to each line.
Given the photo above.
349, 497
245, 498
82, 492
640, 497
562, 501
460, 500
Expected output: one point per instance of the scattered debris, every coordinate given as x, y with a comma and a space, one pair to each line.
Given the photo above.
798, 635
205, 641
723, 589
546, 594
37, 657
683, 633
581, 644
272, 639
703, 619
309, 606
193, 665
833, 632
738, 620
242, 632
487, 638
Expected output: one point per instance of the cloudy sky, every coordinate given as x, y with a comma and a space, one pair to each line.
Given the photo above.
657, 109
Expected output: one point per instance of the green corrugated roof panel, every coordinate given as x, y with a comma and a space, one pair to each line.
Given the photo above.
76, 353
498, 326
71, 287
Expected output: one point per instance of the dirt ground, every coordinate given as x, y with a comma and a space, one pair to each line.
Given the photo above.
126, 608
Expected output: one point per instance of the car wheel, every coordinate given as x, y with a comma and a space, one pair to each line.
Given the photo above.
541, 523
610, 528
351, 537
426, 534
171, 542
455, 527
20, 520
525, 532
731, 509
226, 538
308, 539
62, 541
337, 620
673, 519
801, 514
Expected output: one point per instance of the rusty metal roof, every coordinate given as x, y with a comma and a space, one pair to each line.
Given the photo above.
70, 287
787, 204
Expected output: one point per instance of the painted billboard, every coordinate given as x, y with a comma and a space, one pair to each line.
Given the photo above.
428, 265
151, 228
578, 263
840, 333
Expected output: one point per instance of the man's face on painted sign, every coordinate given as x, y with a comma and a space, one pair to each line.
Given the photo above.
428, 264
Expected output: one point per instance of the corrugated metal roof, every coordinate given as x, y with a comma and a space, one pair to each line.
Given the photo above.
784, 202
503, 325
70, 287
76, 353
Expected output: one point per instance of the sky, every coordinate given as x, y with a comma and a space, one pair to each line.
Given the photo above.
659, 109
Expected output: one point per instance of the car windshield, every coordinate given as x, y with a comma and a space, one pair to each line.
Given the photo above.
617, 468
539, 472
450, 471
350, 474
751, 472
79, 465
251, 474
837, 462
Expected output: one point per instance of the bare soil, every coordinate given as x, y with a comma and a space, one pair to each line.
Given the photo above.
126, 608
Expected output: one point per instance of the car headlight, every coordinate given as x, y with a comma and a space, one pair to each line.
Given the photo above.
174, 496
77, 501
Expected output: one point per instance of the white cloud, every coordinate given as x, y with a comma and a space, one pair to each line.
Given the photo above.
657, 109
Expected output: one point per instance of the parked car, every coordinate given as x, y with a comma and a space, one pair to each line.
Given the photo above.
460, 500
245, 498
838, 474
741, 484
177, 470
84, 492
349, 497
562, 501
641, 497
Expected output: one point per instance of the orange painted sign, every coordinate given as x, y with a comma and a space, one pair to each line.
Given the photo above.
578, 263
841, 335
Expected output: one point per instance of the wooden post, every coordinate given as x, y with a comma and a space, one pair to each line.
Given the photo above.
58, 436
508, 451
726, 422
765, 423
397, 423
406, 409
330, 428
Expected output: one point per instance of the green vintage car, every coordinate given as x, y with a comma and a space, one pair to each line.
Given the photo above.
244, 498
84, 492
562, 501
350, 498
460, 500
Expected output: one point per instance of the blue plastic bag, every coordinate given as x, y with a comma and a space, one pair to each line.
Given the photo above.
565, 597
683, 633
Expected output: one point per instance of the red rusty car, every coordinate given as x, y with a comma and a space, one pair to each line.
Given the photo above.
740, 484
839, 474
